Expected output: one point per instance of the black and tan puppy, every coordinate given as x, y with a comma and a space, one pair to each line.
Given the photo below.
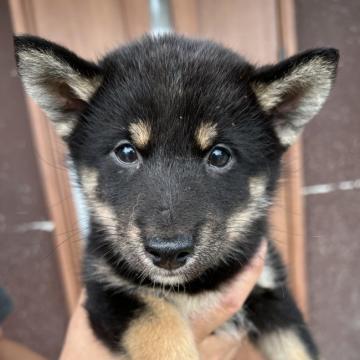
177, 145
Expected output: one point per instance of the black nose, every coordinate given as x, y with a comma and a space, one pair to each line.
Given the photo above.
169, 253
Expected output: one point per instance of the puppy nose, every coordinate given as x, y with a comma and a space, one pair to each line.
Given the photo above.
169, 254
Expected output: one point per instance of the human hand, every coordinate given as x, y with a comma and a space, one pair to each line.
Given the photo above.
81, 343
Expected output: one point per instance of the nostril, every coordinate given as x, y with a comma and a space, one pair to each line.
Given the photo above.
154, 253
183, 256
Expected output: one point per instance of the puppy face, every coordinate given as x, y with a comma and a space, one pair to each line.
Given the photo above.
177, 143
192, 166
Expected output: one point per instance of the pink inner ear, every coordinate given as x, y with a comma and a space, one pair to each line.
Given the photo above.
70, 101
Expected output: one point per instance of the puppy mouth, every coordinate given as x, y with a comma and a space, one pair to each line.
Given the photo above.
170, 276
169, 279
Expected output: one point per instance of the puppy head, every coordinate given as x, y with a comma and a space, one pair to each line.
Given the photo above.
177, 143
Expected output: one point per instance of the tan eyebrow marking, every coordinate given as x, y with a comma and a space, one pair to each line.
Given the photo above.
140, 133
205, 134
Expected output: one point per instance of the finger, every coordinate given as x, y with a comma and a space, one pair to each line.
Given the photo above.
219, 348
80, 342
232, 297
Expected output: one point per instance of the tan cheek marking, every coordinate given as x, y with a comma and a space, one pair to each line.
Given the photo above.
133, 232
205, 135
283, 345
238, 223
206, 231
103, 212
257, 187
160, 333
140, 133
102, 272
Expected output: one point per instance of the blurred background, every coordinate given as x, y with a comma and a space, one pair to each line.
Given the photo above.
316, 219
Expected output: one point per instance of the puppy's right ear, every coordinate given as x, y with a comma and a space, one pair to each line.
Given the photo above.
57, 79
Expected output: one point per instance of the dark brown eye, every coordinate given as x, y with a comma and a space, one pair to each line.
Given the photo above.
219, 156
126, 153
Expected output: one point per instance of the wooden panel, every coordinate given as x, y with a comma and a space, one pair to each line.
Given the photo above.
90, 28
294, 183
244, 25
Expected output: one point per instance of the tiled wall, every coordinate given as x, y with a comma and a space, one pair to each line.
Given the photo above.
332, 185
28, 266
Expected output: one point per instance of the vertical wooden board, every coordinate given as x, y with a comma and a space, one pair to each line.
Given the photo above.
88, 27
294, 183
296, 224
248, 27
136, 15
279, 226
185, 16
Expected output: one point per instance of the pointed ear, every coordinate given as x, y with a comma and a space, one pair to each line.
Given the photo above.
293, 91
57, 79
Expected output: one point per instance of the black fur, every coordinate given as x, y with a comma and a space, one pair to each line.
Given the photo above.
274, 310
176, 85
111, 312
280, 70
86, 68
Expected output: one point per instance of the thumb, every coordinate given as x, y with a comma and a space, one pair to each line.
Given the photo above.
232, 297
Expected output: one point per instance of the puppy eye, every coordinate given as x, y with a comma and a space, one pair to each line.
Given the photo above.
126, 153
219, 157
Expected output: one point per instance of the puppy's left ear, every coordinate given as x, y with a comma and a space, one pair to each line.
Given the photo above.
57, 79
293, 91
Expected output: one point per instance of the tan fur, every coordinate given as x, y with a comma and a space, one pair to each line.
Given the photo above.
271, 276
140, 133
43, 74
103, 212
267, 278
206, 230
133, 232
238, 223
108, 218
313, 78
161, 333
64, 129
283, 345
102, 272
205, 135
197, 304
